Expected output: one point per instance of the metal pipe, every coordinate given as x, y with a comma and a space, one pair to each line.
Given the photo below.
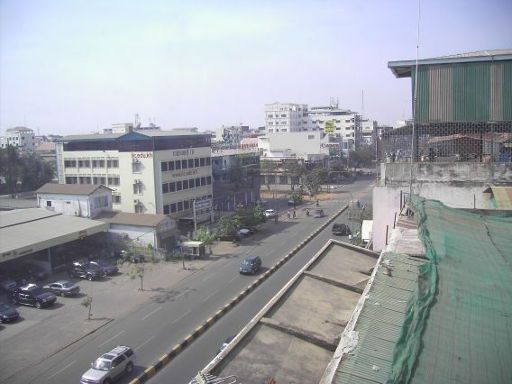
415, 99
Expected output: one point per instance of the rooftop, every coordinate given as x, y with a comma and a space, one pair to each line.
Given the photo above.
403, 68
70, 189
126, 218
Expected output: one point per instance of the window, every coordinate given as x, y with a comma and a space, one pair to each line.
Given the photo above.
191, 183
180, 206
48, 203
173, 207
84, 180
186, 204
112, 163
172, 187
311, 137
184, 164
208, 160
99, 180
69, 163
178, 164
113, 180
201, 162
84, 164
198, 182
94, 163
116, 199
203, 180
208, 180
191, 163
179, 185
71, 180
196, 163
101, 163
167, 209
171, 165
185, 184
163, 166
283, 179
165, 188
139, 208
137, 188
136, 166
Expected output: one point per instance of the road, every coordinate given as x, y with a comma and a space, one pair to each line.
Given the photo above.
157, 325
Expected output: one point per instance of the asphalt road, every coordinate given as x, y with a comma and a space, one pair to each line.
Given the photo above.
156, 326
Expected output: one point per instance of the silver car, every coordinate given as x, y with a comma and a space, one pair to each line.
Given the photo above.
110, 366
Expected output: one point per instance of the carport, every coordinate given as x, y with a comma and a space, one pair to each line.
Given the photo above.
38, 230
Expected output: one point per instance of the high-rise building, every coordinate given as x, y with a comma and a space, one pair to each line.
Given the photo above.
151, 171
286, 117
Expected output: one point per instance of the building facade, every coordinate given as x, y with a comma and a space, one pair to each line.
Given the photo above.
160, 172
20, 137
286, 117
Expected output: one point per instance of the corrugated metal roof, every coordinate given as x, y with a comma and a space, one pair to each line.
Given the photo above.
380, 322
70, 189
126, 218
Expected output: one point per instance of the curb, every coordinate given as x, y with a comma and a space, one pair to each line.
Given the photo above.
178, 348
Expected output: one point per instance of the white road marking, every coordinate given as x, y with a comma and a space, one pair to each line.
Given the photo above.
112, 338
210, 295
152, 312
181, 317
61, 370
144, 343
232, 279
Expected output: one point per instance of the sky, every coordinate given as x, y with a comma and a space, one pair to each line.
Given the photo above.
77, 66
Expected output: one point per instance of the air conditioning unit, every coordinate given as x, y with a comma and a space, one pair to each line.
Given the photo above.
136, 201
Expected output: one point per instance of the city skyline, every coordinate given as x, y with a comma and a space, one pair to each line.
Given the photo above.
78, 67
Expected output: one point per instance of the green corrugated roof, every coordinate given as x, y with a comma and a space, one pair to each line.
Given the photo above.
457, 324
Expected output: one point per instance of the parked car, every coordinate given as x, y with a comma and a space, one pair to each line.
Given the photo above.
341, 229
132, 257
110, 366
318, 213
8, 286
270, 213
108, 268
33, 295
62, 288
250, 265
246, 231
225, 343
85, 270
8, 314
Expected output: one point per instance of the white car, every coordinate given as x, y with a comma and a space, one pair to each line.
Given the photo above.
110, 366
270, 213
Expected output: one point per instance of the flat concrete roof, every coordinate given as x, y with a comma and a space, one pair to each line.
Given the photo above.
31, 230
127, 218
295, 337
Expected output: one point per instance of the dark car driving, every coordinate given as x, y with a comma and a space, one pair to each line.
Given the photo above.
250, 265
62, 288
85, 270
34, 296
340, 229
8, 314
108, 268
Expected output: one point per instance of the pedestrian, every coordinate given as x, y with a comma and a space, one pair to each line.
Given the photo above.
288, 213
307, 211
294, 214
317, 204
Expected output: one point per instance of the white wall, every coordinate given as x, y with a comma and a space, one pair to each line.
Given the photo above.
70, 205
141, 235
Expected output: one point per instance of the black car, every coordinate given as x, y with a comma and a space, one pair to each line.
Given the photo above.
8, 314
250, 265
85, 270
33, 295
108, 268
63, 288
340, 229
8, 286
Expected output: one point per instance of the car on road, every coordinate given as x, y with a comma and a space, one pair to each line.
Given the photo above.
8, 314
225, 343
318, 213
33, 295
85, 270
250, 265
110, 366
108, 268
62, 288
270, 213
340, 229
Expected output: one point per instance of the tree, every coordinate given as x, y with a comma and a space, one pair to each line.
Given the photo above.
251, 216
295, 170
314, 179
361, 157
268, 167
137, 270
228, 225
87, 303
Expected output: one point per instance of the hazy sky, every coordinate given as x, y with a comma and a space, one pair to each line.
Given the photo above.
78, 66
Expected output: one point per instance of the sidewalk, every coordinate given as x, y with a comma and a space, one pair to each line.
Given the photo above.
42, 333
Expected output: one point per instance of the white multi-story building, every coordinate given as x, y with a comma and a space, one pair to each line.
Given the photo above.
161, 172
21, 137
286, 117
368, 131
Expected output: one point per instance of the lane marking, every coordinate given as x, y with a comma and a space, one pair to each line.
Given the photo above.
61, 370
210, 295
181, 317
112, 338
144, 343
232, 279
152, 312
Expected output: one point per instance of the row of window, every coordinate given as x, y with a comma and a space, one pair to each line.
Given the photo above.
179, 206
186, 184
184, 164
114, 163
100, 180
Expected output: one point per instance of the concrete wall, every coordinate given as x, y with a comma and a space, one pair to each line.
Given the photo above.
457, 185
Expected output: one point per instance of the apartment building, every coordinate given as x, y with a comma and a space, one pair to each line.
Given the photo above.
158, 172
21, 137
286, 117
